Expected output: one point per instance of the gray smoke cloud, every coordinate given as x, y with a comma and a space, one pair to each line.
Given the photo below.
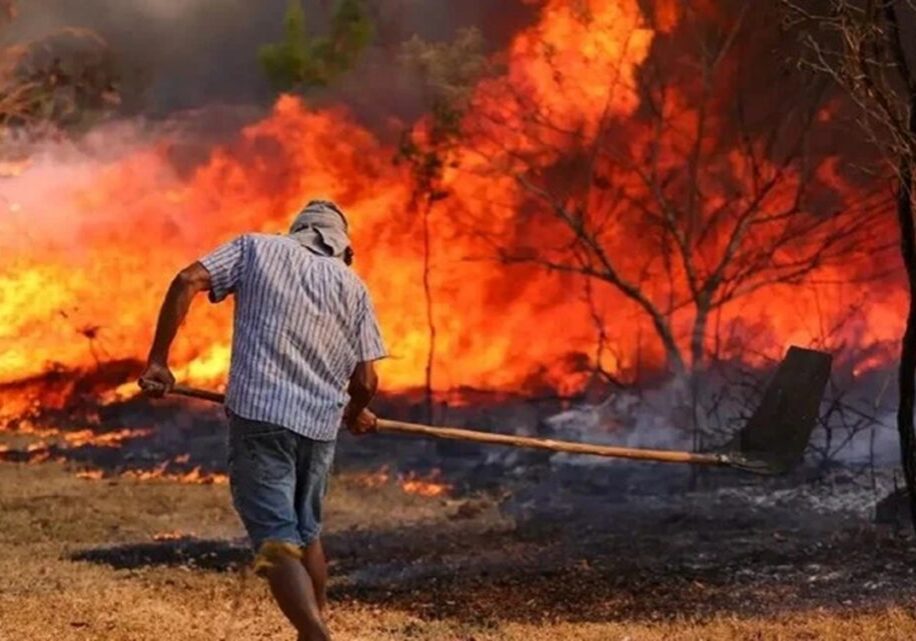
184, 54
174, 54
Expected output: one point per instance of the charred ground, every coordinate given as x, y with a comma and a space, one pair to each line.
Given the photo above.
522, 547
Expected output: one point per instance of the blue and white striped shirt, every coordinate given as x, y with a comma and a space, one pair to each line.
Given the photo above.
302, 323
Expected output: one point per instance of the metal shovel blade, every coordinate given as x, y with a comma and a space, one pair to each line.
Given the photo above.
774, 439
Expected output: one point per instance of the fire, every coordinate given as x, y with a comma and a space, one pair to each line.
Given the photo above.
40, 456
171, 536
376, 479
429, 486
139, 222
88, 244
78, 438
45, 440
196, 476
48, 443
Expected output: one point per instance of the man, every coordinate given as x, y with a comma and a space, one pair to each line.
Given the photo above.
304, 340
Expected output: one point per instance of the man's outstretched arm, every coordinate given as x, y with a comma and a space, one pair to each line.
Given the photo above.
362, 388
157, 379
364, 380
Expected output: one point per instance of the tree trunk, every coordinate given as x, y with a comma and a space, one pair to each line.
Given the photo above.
675, 361
907, 375
697, 352
431, 325
673, 356
698, 335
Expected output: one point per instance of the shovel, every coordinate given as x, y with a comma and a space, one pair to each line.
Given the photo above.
771, 442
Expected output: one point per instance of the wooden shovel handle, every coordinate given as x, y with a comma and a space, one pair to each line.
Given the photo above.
490, 438
477, 436
194, 392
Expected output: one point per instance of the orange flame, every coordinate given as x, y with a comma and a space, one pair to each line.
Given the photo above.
376, 479
174, 535
79, 438
430, 486
195, 476
88, 249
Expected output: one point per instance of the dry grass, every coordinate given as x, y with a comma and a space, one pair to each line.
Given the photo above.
47, 516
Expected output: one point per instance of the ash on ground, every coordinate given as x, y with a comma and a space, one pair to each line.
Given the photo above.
524, 533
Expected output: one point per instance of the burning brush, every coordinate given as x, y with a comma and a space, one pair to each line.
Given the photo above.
772, 441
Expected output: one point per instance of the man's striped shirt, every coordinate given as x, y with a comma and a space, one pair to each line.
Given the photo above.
302, 323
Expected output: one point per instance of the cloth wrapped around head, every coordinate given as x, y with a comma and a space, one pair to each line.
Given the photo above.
322, 229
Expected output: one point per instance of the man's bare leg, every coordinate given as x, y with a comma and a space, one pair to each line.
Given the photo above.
314, 562
292, 588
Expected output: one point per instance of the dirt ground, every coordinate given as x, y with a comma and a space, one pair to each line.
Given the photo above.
99, 559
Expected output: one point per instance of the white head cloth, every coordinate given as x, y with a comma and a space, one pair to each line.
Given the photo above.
321, 228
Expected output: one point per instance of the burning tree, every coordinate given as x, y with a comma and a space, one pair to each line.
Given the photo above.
449, 71
669, 168
864, 48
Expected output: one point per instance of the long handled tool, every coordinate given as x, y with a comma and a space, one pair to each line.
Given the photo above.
772, 441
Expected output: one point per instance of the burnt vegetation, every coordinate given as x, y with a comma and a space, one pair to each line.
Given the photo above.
65, 81
866, 49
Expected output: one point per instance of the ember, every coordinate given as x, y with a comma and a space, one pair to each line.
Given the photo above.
430, 486
171, 536
63, 439
195, 476
375, 479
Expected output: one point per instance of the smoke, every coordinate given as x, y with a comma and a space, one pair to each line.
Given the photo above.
172, 54
185, 54
856, 425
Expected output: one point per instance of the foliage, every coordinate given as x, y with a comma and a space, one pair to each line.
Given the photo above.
301, 61
448, 71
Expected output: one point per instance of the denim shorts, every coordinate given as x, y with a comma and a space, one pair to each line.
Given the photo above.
278, 480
